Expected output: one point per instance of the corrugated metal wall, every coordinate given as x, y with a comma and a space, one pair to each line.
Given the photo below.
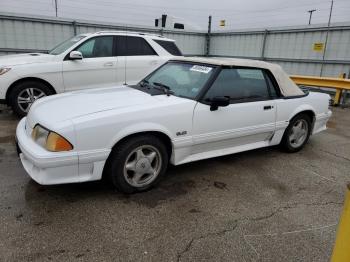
32, 35
290, 47
19, 34
237, 45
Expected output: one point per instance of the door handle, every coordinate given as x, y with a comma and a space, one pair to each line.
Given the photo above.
108, 64
268, 107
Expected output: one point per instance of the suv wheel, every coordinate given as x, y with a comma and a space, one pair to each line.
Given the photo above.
24, 94
137, 164
297, 133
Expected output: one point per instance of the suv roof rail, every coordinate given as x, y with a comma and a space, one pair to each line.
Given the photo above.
129, 32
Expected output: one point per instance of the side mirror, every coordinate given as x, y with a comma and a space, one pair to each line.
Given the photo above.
219, 101
75, 55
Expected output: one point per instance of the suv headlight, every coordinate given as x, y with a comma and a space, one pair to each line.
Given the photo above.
4, 70
50, 140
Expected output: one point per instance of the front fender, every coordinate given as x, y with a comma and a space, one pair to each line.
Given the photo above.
139, 128
5, 82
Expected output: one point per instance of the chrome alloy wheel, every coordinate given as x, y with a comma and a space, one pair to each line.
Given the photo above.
27, 97
142, 166
299, 133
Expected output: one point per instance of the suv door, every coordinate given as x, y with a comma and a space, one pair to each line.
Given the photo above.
96, 69
248, 119
136, 58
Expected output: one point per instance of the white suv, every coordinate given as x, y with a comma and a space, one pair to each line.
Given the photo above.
84, 61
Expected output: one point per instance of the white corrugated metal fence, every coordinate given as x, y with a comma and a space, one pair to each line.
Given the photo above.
293, 48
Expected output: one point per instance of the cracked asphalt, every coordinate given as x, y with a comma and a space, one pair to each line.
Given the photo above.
261, 205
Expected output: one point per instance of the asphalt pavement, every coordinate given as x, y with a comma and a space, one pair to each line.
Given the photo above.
261, 205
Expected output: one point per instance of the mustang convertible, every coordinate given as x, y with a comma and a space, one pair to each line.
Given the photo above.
188, 109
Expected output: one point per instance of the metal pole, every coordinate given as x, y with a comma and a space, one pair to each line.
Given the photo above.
56, 7
311, 11
345, 93
325, 44
341, 246
208, 37
74, 23
264, 44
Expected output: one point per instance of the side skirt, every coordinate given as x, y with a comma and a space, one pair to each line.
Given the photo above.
222, 152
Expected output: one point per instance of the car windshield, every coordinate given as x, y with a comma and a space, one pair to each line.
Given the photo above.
180, 78
59, 49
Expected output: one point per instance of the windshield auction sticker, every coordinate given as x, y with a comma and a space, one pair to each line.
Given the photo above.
201, 69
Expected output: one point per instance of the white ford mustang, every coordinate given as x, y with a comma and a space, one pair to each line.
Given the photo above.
188, 109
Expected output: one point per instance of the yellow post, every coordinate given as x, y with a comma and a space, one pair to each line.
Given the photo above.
339, 92
341, 250
337, 96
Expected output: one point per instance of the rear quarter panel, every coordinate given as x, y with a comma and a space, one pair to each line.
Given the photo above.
288, 108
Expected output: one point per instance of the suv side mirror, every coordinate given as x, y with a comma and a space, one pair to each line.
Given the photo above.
75, 55
217, 101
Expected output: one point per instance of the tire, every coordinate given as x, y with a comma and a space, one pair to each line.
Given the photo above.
294, 138
27, 92
127, 168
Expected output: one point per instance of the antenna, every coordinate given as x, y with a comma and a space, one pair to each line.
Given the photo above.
126, 57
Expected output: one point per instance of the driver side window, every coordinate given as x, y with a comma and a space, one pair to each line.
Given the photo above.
101, 46
240, 85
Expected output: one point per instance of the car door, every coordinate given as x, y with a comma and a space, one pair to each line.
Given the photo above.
136, 58
96, 69
249, 119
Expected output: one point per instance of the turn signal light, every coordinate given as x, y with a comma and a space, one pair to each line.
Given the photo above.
57, 143
50, 140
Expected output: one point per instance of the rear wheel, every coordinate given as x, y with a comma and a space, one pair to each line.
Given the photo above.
137, 164
24, 94
297, 133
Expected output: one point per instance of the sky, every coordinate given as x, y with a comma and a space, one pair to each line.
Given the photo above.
238, 14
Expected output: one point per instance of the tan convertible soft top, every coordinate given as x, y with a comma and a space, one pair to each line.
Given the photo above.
287, 86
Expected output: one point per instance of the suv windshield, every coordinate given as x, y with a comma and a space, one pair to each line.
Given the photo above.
59, 49
183, 79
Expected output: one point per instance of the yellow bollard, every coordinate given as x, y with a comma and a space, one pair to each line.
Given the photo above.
341, 250
337, 97
339, 92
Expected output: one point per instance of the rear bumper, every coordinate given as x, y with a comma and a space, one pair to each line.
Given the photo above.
321, 122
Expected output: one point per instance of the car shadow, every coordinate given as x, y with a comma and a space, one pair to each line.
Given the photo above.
179, 180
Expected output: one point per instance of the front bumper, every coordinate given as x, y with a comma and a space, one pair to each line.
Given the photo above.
49, 168
46, 167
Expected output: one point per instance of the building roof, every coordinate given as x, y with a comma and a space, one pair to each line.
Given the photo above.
286, 85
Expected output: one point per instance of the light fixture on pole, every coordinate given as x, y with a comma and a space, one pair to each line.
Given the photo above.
311, 11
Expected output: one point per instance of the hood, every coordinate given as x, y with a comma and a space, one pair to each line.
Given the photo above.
67, 106
22, 59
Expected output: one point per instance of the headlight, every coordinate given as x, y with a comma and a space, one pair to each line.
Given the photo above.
4, 70
50, 140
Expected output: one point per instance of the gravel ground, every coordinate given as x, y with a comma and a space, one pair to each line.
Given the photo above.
261, 205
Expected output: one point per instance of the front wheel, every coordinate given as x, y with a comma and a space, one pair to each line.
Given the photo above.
297, 133
24, 94
137, 164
